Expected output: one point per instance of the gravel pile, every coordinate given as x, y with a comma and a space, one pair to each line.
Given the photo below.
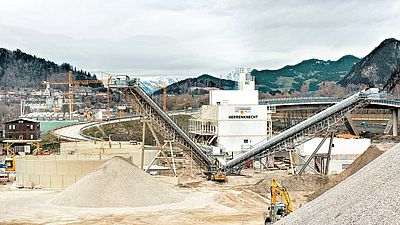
364, 159
117, 183
370, 196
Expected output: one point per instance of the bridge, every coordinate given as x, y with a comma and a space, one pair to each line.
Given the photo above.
319, 103
282, 102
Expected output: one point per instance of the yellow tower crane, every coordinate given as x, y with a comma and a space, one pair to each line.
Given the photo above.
71, 82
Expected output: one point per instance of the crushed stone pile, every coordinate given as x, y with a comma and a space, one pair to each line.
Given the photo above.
370, 196
117, 183
364, 159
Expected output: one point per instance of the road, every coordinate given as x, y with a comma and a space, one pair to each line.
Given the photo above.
73, 132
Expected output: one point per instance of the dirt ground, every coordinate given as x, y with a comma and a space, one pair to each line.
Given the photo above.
206, 203
236, 202
242, 200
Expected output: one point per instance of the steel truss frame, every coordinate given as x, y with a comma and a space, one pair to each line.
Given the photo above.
322, 127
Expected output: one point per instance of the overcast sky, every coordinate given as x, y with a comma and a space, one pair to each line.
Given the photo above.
189, 38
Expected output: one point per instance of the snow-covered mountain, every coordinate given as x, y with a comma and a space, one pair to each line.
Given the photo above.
152, 82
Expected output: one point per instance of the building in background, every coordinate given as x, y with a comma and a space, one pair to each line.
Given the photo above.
22, 129
234, 121
344, 152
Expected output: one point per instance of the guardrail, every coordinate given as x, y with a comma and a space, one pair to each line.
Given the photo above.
321, 100
116, 120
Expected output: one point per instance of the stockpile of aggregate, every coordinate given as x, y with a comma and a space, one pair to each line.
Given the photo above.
117, 183
370, 196
364, 159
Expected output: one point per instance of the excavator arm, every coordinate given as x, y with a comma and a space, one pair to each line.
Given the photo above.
277, 210
277, 190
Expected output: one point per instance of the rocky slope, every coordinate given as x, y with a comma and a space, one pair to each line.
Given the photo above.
376, 69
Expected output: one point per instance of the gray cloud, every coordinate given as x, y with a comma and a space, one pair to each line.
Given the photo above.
192, 37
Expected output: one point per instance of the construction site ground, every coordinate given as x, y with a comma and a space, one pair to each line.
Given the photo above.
242, 200
206, 202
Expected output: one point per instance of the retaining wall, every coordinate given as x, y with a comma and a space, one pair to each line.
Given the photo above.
51, 172
61, 171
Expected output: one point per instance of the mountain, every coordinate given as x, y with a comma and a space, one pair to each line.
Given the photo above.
19, 69
204, 80
311, 72
376, 69
288, 78
394, 80
152, 83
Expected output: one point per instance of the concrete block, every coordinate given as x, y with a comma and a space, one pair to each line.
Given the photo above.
26, 179
68, 180
35, 179
19, 179
56, 181
39, 167
28, 184
87, 166
62, 167
50, 167
21, 166
75, 167
45, 181
98, 163
30, 166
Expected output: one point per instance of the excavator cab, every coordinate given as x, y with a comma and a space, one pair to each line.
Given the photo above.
278, 210
215, 174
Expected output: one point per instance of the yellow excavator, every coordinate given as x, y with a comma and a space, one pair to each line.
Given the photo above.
277, 210
216, 175
10, 163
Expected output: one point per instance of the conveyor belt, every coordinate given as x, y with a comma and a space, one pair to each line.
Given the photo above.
299, 133
167, 126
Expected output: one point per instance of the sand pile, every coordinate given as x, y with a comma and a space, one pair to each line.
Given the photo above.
117, 183
370, 196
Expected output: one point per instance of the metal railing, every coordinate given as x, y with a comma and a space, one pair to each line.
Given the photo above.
321, 100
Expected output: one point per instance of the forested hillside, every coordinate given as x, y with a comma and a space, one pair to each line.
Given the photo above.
19, 69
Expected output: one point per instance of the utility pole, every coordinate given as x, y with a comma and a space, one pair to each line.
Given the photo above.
70, 94
108, 97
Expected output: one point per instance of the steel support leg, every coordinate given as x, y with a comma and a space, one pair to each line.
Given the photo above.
328, 159
313, 155
395, 113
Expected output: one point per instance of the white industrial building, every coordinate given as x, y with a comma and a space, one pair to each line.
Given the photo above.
234, 121
344, 152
